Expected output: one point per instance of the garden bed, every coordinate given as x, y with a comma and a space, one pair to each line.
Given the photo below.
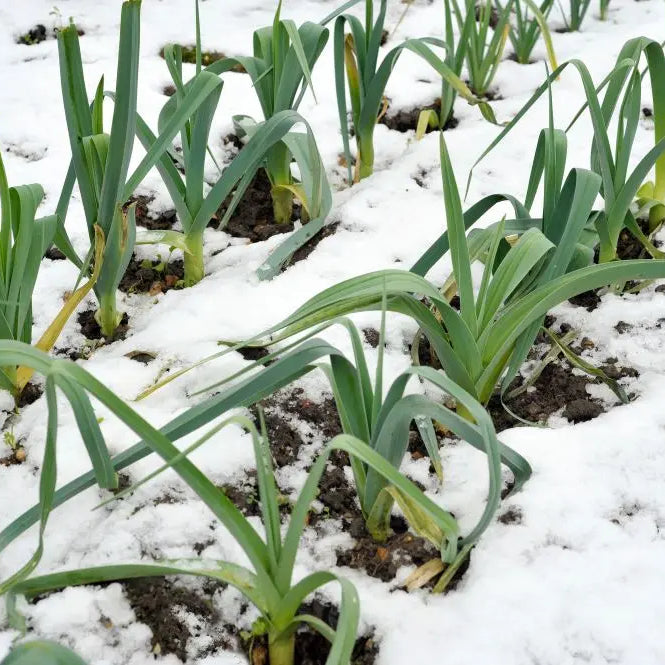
569, 569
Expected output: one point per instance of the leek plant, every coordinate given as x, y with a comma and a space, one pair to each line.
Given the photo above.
268, 584
455, 51
279, 75
357, 65
576, 14
280, 69
484, 49
100, 162
565, 220
383, 423
382, 420
23, 241
619, 186
529, 23
479, 345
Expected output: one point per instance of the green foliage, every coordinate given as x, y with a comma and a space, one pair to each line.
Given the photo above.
41, 652
484, 47
530, 22
619, 187
357, 66
577, 10
23, 241
100, 162
269, 583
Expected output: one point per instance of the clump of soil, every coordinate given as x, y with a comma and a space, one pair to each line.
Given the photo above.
511, 516
152, 276
629, 247
253, 352
90, 328
589, 299
54, 254
383, 560
148, 219
40, 33
30, 394
556, 388
155, 601
253, 217
404, 120
207, 57
372, 336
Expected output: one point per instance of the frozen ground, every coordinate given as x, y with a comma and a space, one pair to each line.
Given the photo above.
579, 578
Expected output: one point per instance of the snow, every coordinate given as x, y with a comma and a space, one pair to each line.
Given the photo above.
578, 579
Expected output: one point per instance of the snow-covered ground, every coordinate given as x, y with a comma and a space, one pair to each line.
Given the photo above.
578, 580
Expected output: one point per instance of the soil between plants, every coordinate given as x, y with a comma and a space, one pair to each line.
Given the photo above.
336, 493
147, 276
628, 247
404, 120
207, 57
253, 217
557, 387
159, 603
147, 218
91, 330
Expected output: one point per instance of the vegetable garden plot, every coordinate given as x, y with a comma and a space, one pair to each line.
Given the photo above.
327, 397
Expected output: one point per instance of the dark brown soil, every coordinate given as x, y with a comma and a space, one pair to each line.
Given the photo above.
147, 276
253, 217
628, 247
589, 299
371, 336
285, 440
155, 601
245, 496
40, 34
143, 357
556, 388
511, 515
149, 219
90, 328
311, 647
404, 120
253, 352
383, 560
207, 57
36, 35
31, 393
54, 254
307, 249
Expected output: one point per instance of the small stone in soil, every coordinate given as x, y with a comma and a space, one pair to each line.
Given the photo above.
54, 254
582, 410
